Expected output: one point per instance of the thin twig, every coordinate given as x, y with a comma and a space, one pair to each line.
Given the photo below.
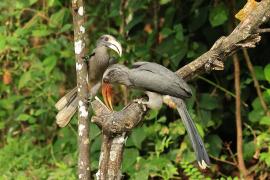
221, 88
227, 145
240, 158
224, 161
266, 30
255, 81
257, 151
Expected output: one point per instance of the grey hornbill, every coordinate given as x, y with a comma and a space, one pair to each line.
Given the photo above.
159, 84
98, 61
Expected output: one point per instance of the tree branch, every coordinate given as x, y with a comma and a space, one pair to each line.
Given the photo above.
84, 171
114, 126
244, 35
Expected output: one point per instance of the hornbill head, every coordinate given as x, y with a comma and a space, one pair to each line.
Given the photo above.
117, 74
110, 42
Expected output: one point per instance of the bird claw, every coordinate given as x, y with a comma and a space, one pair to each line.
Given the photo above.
142, 102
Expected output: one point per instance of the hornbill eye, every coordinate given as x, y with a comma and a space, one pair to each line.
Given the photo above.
106, 38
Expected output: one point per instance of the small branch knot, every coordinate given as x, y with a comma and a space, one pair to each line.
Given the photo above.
213, 64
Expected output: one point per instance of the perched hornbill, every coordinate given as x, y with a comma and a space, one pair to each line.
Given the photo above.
98, 62
159, 83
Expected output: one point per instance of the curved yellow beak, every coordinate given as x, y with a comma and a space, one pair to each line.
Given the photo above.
116, 46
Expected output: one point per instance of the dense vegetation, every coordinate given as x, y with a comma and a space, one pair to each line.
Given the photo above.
38, 66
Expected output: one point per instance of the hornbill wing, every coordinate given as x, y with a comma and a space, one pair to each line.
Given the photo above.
157, 78
150, 81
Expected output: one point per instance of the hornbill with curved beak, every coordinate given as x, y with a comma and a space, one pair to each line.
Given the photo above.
159, 83
98, 62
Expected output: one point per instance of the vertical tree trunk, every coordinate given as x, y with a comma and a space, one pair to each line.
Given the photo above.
78, 12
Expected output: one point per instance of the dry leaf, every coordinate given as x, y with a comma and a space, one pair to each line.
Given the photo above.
247, 9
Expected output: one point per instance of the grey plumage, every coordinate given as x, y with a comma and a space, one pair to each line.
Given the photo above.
160, 81
98, 61
196, 140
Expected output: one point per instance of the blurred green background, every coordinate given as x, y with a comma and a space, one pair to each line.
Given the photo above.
38, 67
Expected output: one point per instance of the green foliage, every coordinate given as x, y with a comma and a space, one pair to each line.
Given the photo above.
37, 59
192, 172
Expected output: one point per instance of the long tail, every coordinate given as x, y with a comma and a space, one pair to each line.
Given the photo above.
66, 99
67, 105
197, 143
64, 115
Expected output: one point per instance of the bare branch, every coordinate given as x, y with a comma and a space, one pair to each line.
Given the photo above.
266, 30
84, 171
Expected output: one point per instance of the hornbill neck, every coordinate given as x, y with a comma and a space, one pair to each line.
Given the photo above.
101, 51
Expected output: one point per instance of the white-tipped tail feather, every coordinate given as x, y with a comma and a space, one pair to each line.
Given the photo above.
202, 164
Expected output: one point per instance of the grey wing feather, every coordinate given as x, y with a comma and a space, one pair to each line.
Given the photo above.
157, 78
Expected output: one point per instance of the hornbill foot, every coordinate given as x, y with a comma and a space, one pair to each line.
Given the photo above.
142, 102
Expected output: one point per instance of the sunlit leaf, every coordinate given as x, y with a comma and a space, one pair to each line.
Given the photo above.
267, 72
25, 78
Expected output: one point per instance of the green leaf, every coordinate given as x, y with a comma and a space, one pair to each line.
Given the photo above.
166, 32
2, 42
41, 32
152, 114
209, 102
49, 63
129, 158
179, 32
137, 136
25, 78
267, 72
218, 15
259, 73
249, 150
255, 115
265, 120
57, 18
265, 156
24, 117
94, 131
215, 145
162, 2
66, 27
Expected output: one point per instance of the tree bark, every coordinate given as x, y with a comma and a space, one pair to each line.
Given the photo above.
78, 12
